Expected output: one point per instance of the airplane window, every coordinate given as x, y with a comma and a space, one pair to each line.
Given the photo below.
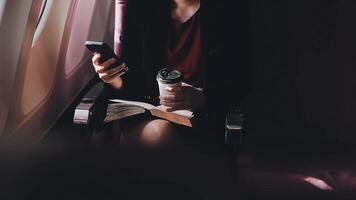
2, 7
42, 18
80, 28
40, 73
43, 6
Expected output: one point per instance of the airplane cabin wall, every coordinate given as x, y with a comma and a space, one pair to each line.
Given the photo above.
52, 64
12, 32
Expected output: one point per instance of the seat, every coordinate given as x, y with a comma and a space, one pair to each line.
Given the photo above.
233, 137
99, 134
255, 176
95, 131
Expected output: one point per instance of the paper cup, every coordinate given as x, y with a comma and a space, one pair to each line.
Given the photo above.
169, 78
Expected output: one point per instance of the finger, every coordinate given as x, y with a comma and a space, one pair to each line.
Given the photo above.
109, 62
96, 53
108, 75
122, 67
108, 79
168, 104
175, 105
101, 68
113, 70
96, 59
116, 70
180, 106
172, 98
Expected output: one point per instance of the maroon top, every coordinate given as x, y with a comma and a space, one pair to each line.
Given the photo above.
183, 50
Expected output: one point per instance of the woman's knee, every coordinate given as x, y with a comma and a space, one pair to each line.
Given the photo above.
154, 134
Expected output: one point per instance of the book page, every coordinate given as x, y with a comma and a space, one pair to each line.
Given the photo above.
182, 117
118, 113
185, 113
135, 103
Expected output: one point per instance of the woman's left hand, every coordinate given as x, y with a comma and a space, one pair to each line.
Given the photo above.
188, 97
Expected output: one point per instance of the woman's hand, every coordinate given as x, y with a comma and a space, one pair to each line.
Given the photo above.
108, 76
188, 97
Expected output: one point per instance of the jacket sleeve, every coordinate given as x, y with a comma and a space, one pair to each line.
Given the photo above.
128, 20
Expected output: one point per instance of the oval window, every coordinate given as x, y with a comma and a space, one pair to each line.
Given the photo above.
41, 69
42, 18
79, 33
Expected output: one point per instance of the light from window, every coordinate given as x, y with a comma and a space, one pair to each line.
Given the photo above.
43, 5
80, 29
41, 67
42, 19
2, 7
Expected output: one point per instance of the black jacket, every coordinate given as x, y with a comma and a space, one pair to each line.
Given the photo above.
225, 40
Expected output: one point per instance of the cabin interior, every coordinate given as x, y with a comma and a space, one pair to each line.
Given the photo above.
298, 137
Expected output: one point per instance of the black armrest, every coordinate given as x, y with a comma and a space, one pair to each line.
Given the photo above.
233, 127
91, 111
233, 138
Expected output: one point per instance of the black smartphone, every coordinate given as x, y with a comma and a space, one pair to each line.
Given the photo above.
105, 51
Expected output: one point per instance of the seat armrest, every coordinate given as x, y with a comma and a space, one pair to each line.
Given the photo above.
233, 127
233, 138
91, 111
233, 122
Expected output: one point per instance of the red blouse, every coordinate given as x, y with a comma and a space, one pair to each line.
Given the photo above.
183, 50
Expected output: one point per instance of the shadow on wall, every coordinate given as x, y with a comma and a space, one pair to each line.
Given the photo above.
303, 62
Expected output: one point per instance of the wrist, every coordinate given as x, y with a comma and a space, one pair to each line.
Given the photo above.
116, 83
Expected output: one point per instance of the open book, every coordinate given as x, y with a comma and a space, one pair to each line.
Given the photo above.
119, 109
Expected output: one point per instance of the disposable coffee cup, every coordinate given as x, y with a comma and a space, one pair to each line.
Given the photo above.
169, 78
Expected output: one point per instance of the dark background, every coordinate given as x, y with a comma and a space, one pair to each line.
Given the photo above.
303, 55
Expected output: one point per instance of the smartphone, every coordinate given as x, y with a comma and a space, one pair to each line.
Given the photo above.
106, 53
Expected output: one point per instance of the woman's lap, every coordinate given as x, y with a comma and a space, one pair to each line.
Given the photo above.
205, 134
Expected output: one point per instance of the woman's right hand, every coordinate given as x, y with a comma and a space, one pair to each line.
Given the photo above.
108, 76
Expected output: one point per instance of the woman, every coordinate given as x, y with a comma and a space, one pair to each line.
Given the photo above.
207, 41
